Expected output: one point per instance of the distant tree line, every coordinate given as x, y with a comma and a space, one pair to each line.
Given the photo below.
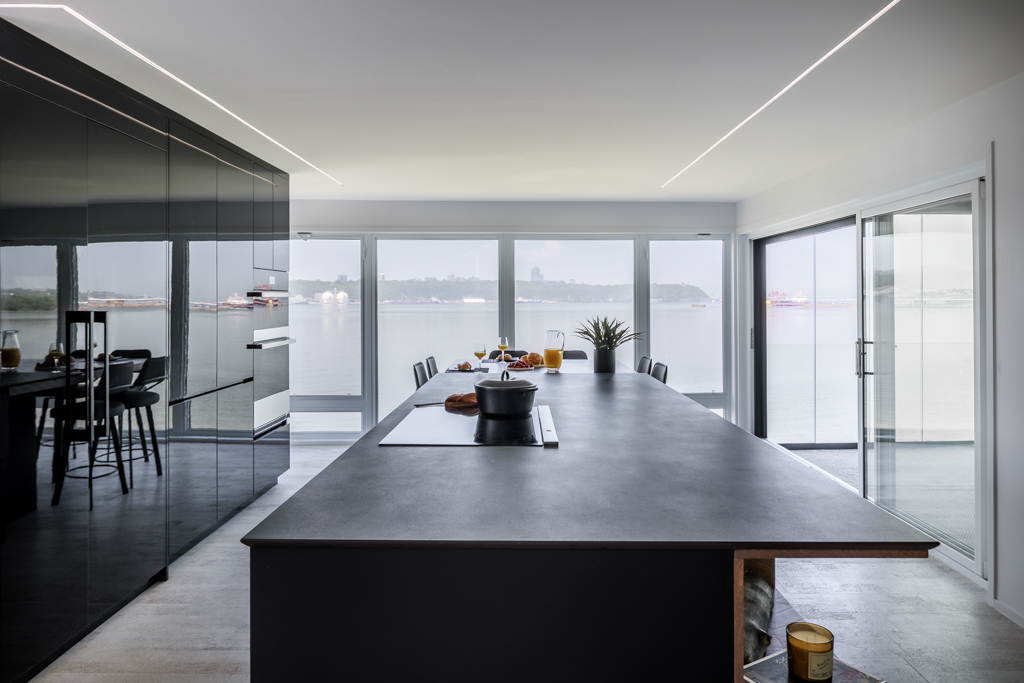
29, 300
446, 290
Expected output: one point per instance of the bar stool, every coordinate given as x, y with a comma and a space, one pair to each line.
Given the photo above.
139, 396
119, 379
644, 366
431, 367
574, 354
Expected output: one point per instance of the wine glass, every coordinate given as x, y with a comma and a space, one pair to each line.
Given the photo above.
502, 345
479, 351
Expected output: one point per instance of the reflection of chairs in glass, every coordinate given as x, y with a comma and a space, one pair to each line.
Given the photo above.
153, 372
431, 367
419, 374
660, 372
574, 354
515, 353
119, 379
644, 366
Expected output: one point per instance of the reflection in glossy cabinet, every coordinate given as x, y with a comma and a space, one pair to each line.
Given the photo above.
234, 267
281, 222
43, 208
271, 457
263, 218
192, 464
126, 259
234, 449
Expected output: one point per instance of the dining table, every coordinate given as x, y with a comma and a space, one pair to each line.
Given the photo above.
18, 392
620, 553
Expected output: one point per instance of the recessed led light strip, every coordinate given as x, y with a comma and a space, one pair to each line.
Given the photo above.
786, 89
167, 73
131, 118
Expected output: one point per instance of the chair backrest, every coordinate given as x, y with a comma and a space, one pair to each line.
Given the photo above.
119, 378
419, 373
574, 354
644, 366
660, 372
133, 353
154, 371
515, 353
431, 367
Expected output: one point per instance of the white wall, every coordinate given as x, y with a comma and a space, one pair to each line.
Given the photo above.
565, 217
945, 143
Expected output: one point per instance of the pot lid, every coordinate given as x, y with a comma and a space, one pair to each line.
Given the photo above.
506, 384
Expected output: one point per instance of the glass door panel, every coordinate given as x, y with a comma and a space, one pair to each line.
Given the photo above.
434, 298
790, 327
919, 395
686, 313
560, 284
811, 334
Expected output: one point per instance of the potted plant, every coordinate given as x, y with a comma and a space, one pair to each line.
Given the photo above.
606, 335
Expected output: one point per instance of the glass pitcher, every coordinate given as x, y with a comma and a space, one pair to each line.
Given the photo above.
553, 350
10, 352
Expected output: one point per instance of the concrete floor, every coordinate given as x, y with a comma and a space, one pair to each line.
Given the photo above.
907, 621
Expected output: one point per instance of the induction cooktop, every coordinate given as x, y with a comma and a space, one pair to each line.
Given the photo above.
434, 426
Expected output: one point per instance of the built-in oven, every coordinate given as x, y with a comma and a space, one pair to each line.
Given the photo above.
271, 404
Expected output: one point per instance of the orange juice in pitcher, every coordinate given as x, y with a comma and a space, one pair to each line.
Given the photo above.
553, 350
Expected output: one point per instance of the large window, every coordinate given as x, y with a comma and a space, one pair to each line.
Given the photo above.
434, 298
562, 283
325, 317
687, 313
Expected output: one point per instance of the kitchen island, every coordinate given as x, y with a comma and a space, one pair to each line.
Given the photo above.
619, 553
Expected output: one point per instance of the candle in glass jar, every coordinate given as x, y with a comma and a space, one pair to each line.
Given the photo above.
809, 650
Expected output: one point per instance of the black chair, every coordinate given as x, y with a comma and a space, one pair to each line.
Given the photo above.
574, 354
154, 371
431, 367
419, 373
119, 380
660, 372
644, 366
515, 353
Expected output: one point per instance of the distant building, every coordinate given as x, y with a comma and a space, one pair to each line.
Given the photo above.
571, 281
430, 279
536, 275
343, 278
381, 277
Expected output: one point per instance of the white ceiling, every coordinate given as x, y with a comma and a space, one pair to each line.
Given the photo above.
542, 99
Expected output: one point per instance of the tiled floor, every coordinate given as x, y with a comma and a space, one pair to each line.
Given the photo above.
905, 620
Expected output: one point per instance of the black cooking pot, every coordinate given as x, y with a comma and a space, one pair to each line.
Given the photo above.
505, 398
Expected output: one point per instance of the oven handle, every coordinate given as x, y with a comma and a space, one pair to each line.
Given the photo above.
270, 343
280, 422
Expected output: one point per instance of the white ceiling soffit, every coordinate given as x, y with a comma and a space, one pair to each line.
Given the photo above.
576, 99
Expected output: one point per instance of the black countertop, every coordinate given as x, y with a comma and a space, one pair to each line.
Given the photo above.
638, 465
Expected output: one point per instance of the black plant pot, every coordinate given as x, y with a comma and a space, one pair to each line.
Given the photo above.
604, 360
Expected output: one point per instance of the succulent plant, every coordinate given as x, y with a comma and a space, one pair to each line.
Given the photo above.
605, 334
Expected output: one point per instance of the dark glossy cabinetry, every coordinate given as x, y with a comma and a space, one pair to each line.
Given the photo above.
162, 231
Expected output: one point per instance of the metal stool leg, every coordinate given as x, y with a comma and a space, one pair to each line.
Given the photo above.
42, 423
156, 447
120, 462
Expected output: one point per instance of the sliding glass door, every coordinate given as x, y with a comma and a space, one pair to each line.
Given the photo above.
919, 367
807, 321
